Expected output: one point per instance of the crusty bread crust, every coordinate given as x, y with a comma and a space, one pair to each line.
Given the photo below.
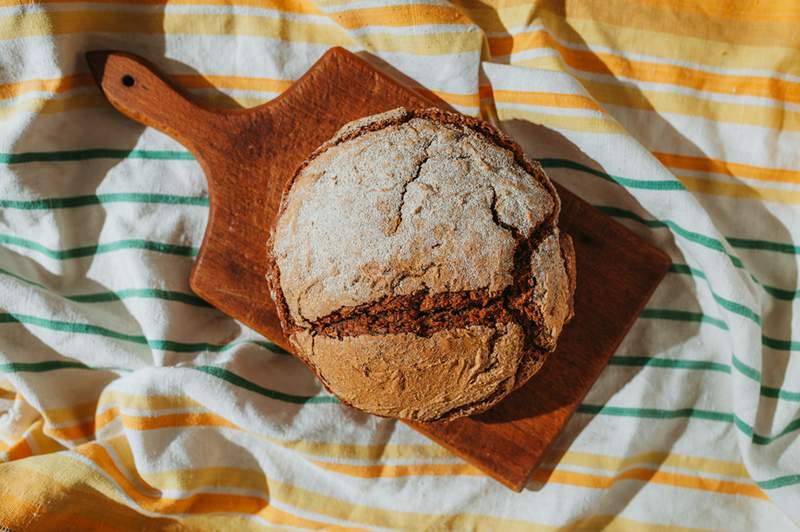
378, 353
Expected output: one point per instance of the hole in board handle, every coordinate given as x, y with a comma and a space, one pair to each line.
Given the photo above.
128, 80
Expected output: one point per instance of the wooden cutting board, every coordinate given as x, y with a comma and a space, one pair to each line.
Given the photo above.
247, 156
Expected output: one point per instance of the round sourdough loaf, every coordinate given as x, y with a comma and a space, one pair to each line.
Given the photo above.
417, 266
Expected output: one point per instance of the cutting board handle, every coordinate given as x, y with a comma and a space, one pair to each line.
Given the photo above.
136, 89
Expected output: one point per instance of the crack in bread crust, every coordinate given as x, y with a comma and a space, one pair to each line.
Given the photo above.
402, 303
424, 313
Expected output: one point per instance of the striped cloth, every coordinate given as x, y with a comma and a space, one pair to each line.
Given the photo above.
127, 403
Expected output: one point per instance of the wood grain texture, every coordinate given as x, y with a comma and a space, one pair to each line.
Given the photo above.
249, 154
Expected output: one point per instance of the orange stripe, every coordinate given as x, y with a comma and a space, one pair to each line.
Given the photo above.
211, 81
82, 431
21, 449
704, 164
616, 66
781, 12
547, 99
384, 471
399, 15
197, 503
551, 475
8, 395
163, 421
739, 190
396, 16
651, 476
289, 6
55, 85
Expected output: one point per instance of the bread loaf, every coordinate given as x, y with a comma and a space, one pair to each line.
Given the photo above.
417, 266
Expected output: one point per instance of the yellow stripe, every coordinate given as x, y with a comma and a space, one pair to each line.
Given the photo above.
163, 421
55, 85
778, 11
651, 476
289, 6
399, 15
65, 22
190, 82
739, 190
691, 463
77, 474
418, 451
705, 164
146, 402
566, 477
613, 93
81, 431
667, 102
77, 412
587, 124
19, 450
558, 476
613, 65
197, 503
32, 24
394, 471
340, 450
616, 523
48, 106
292, 495
664, 20
8, 395
621, 37
340, 509
44, 443
547, 99
77, 497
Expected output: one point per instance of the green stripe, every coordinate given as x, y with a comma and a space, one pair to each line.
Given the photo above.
777, 343
220, 373
655, 413
669, 363
755, 375
104, 297
777, 393
50, 365
779, 247
148, 293
697, 238
742, 243
779, 482
162, 345
86, 251
97, 199
704, 365
682, 315
777, 293
23, 279
658, 413
241, 382
746, 370
98, 153
624, 181
102, 153
765, 440
737, 308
